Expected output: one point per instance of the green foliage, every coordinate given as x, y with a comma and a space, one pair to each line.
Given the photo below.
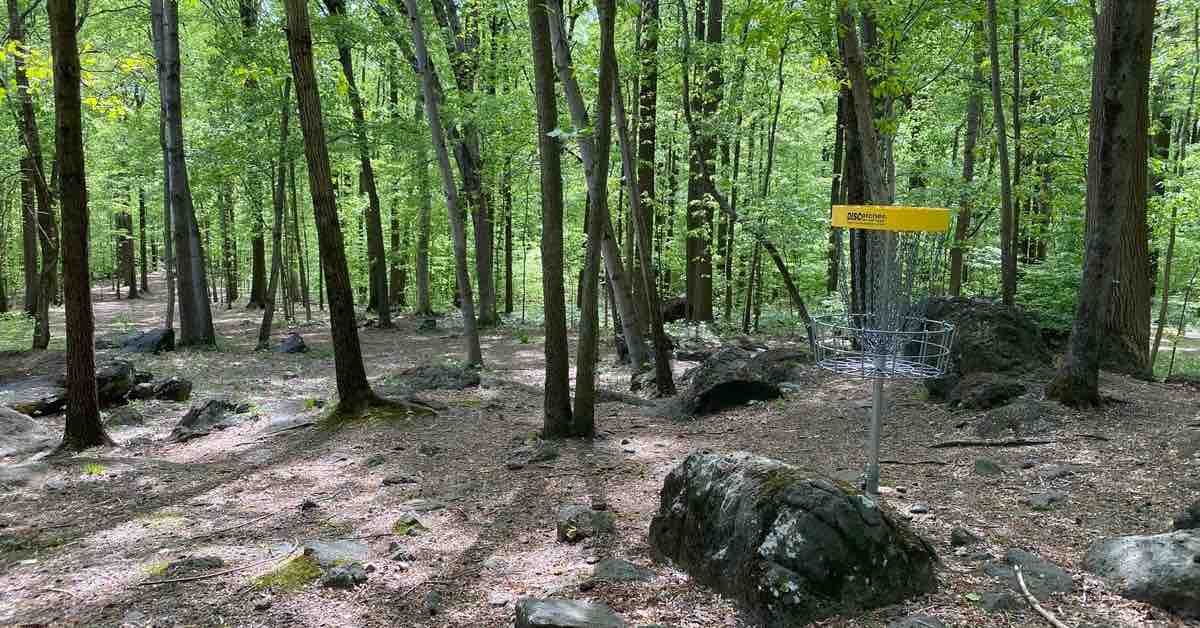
93, 469
16, 331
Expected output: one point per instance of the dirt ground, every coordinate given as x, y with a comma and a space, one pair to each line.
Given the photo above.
78, 539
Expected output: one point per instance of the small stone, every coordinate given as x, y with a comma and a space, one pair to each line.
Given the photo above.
987, 467
918, 509
1047, 500
981, 556
1188, 519
629, 450
961, 537
576, 523
263, 602
917, 621
624, 441
345, 576
1029, 463
497, 599
599, 503
307, 504
994, 601
557, 613
430, 450
617, 570
55, 485
1056, 471
433, 602
400, 478
375, 461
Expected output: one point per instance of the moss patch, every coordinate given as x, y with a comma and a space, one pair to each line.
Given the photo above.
408, 526
293, 575
156, 570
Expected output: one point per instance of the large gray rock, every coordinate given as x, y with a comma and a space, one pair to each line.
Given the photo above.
208, 417
20, 434
114, 380
552, 613
1163, 569
330, 554
292, 343
791, 545
152, 341
34, 395
989, 337
731, 377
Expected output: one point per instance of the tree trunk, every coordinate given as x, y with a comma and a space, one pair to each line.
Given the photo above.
646, 142
1008, 254
703, 144
1117, 156
833, 255
596, 170
195, 313
424, 204
142, 239
376, 253
556, 408
47, 228
83, 426
280, 198
353, 390
29, 236
966, 201
663, 377
432, 95
301, 246
225, 203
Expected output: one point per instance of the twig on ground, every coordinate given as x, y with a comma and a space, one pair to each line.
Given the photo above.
1094, 437
233, 527
273, 559
1015, 442
939, 463
1033, 603
63, 591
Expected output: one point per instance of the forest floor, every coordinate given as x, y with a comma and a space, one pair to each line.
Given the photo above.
79, 536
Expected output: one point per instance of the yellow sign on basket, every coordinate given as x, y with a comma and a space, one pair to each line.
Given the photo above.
891, 218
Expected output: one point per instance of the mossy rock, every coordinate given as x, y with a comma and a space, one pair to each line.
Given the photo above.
293, 575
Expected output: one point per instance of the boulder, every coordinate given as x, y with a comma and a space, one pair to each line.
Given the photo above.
1022, 417
617, 570
789, 544
437, 377
427, 325
1189, 519
208, 417
783, 365
1043, 577
114, 381
1163, 569
1047, 500
577, 522
694, 350
345, 576
173, 389
984, 391
962, 537
553, 613
152, 341
731, 377
20, 434
292, 343
141, 392
989, 337
123, 416
674, 309
34, 396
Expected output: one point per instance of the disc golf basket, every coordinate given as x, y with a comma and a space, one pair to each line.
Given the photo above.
880, 336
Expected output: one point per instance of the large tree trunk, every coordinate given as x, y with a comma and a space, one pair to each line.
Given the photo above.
702, 150
1008, 253
432, 94
1117, 156
596, 168
47, 227
280, 198
556, 403
83, 426
646, 140
195, 313
353, 390
248, 14
966, 201
376, 253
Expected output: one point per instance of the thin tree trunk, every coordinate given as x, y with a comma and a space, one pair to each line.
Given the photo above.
424, 210
646, 139
458, 229
301, 246
833, 255
506, 193
142, 239
966, 201
1008, 257
353, 390
1117, 155
29, 235
83, 427
280, 198
556, 405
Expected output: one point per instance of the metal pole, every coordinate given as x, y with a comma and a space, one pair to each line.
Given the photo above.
873, 435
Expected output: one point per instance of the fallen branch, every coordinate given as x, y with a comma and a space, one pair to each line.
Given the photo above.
1015, 442
234, 526
273, 559
63, 591
1093, 437
1049, 617
939, 463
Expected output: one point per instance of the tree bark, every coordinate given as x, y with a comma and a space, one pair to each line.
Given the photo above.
702, 150
145, 264
29, 235
1117, 156
1008, 253
458, 230
280, 198
646, 138
195, 313
833, 255
424, 203
376, 253
301, 246
557, 419
966, 201
83, 427
353, 390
